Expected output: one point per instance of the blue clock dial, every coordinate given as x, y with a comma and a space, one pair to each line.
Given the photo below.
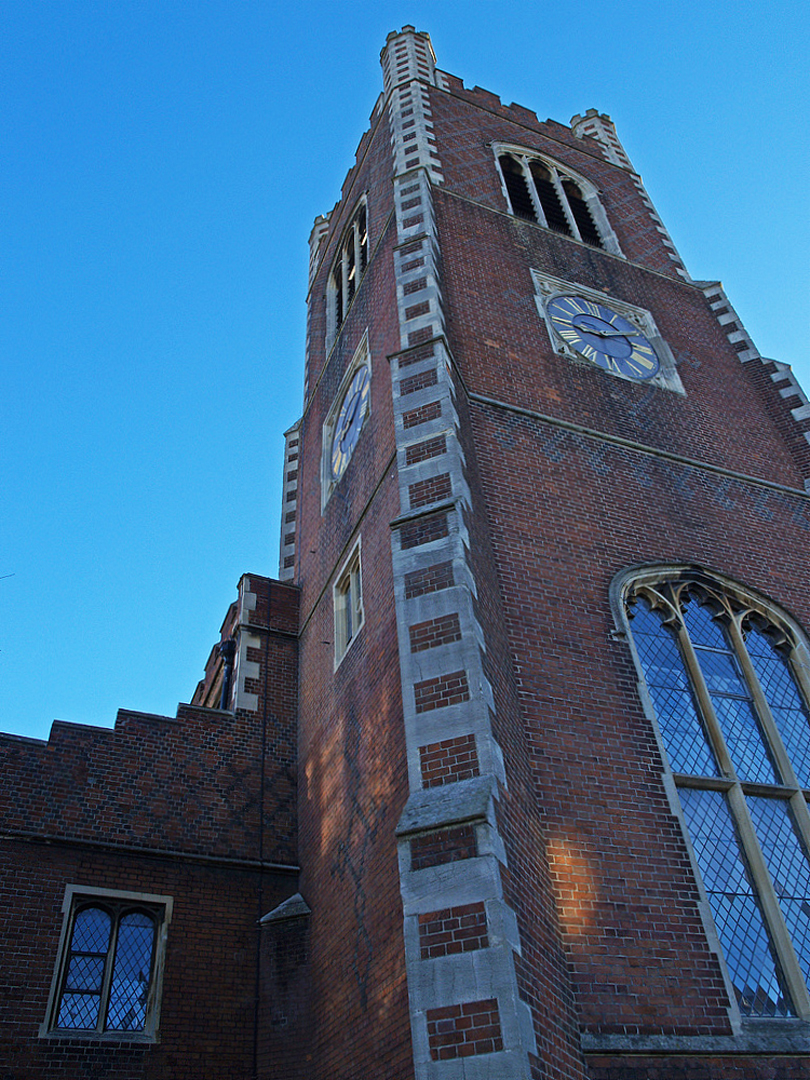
603, 337
350, 419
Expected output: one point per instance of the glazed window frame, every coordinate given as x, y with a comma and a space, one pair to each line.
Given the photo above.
532, 205
348, 269
117, 904
347, 600
749, 854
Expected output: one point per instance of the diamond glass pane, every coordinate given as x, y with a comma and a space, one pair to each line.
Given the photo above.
79, 1011
789, 869
749, 958
91, 931
85, 973
681, 729
773, 672
131, 973
659, 651
721, 672
79, 1006
704, 631
741, 730
789, 711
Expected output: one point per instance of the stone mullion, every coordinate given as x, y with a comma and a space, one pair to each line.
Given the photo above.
783, 763
344, 278
775, 923
538, 206
107, 977
799, 667
569, 217
705, 703
357, 254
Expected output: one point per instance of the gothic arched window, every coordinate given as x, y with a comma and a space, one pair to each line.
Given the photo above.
349, 267
542, 191
727, 679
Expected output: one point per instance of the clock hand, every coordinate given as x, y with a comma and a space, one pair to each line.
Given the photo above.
604, 333
348, 423
351, 416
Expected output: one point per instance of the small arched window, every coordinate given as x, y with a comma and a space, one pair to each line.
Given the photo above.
110, 964
727, 680
349, 267
542, 191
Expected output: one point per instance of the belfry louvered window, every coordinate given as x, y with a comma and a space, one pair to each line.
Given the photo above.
727, 679
349, 267
539, 191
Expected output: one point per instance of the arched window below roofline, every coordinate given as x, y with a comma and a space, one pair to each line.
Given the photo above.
541, 189
724, 676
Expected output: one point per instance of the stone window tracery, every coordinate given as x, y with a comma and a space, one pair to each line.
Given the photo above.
727, 679
542, 191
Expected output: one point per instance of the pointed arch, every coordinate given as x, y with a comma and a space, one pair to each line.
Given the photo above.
724, 676
542, 190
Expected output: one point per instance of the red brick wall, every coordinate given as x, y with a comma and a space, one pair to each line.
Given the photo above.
423, 530
469, 120
703, 1067
453, 930
353, 787
448, 761
169, 806
459, 1031
564, 513
504, 350
620, 870
353, 777
208, 1001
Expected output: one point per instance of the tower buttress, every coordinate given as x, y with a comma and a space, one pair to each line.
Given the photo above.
599, 126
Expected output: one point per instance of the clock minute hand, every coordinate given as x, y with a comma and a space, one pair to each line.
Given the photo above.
350, 418
605, 333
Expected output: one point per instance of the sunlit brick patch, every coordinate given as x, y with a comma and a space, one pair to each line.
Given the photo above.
453, 930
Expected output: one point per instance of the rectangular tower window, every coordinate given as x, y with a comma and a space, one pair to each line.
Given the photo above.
348, 603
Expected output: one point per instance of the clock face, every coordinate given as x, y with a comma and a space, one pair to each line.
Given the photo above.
350, 420
603, 337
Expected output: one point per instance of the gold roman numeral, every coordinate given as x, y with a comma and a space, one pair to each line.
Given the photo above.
574, 305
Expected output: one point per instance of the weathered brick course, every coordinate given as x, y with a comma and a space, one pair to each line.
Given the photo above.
444, 846
453, 930
448, 761
458, 1031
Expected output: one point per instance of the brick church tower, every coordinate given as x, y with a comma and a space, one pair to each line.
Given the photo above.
547, 516
541, 625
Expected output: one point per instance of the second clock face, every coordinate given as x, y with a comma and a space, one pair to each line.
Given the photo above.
349, 421
603, 336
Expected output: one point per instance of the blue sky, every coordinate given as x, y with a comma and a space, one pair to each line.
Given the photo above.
162, 164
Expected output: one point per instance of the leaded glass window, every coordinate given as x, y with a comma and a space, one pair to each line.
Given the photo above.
727, 680
107, 970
